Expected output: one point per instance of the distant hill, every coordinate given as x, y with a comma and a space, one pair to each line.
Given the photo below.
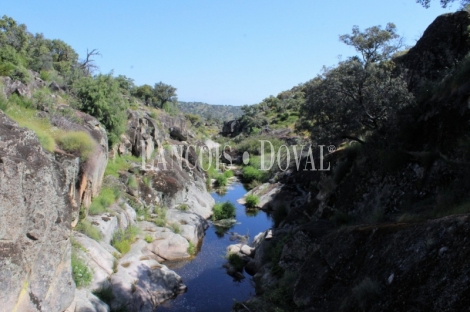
208, 111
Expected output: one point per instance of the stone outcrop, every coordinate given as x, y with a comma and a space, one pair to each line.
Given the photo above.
231, 128
35, 218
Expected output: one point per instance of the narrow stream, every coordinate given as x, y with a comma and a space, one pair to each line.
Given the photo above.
209, 287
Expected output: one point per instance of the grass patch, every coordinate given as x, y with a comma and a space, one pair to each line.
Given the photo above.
175, 227
223, 211
148, 238
82, 275
101, 203
221, 180
191, 249
250, 174
88, 229
252, 200
183, 207
228, 174
132, 182
120, 163
236, 261
123, 238
77, 143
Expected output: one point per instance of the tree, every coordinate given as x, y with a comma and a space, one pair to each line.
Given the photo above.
444, 3
100, 97
359, 94
375, 44
88, 65
164, 93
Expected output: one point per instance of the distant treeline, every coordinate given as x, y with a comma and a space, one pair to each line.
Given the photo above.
211, 112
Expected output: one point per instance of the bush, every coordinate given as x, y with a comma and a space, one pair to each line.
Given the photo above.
77, 143
250, 173
175, 227
123, 238
132, 183
80, 272
221, 180
101, 203
148, 238
191, 249
100, 97
252, 200
235, 260
88, 229
223, 211
228, 174
120, 164
183, 207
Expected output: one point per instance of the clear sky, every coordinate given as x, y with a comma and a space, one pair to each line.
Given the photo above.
217, 51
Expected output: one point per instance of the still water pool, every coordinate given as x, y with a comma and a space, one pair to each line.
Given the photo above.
209, 287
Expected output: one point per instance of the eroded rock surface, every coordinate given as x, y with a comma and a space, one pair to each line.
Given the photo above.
35, 218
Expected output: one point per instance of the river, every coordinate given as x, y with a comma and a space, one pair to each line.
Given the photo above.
209, 287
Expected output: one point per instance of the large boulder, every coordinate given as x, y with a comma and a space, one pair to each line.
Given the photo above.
35, 224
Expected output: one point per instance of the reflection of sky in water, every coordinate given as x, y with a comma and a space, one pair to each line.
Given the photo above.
209, 287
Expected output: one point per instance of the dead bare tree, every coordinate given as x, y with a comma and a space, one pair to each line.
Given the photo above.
88, 65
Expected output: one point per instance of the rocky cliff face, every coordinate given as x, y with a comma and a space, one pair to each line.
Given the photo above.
35, 218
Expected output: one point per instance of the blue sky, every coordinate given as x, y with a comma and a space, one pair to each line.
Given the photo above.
217, 51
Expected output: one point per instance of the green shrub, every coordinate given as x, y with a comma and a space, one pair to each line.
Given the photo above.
148, 238
123, 238
252, 200
132, 183
221, 180
78, 143
223, 211
88, 229
175, 227
228, 174
183, 207
105, 199
235, 260
251, 173
120, 163
191, 249
80, 272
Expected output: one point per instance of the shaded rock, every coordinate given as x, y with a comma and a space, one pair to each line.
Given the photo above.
85, 301
177, 133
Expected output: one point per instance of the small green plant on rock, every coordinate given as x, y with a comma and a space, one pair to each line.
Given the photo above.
191, 249
223, 211
88, 229
82, 275
252, 200
148, 238
123, 239
236, 261
175, 227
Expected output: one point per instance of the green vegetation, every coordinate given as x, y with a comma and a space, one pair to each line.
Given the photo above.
132, 182
250, 174
85, 227
236, 261
100, 97
223, 211
251, 200
78, 143
82, 275
120, 163
221, 180
228, 174
175, 227
123, 238
106, 198
183, 207
148, 238
209, 112
191, 249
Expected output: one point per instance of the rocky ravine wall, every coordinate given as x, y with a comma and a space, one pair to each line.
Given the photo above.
35, 218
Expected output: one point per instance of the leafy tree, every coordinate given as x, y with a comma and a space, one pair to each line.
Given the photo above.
360, 94
100, 97
126, 84
444, 3
164, 93
145, 93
